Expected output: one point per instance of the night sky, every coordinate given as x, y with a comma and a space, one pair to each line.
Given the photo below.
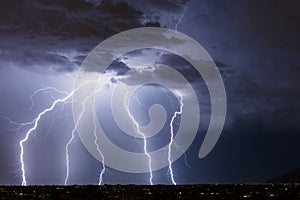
254, 43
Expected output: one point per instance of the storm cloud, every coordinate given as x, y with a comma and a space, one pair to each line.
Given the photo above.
255, 45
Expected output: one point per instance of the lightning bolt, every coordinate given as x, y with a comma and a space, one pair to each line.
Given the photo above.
67, 151
172, 138
53, 122
181, 16
73, 136
99, 151
176, 145
35, 123
46, 89
144, 141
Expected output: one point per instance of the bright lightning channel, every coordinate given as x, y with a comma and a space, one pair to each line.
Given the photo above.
73, 136
28, 133
172, 138
35, 123
98, 150
145, 145
67, 150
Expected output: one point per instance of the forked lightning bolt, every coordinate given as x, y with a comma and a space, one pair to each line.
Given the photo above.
172, 137
46, 89
36, 122
73, 136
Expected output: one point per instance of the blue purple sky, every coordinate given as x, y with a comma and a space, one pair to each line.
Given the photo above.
255, 45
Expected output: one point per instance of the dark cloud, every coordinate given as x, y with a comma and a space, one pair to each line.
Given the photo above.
258, 41
55, 36
159, 5
69, 18
39, 54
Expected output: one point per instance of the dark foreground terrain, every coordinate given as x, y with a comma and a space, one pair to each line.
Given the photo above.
240, 191
290, 177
